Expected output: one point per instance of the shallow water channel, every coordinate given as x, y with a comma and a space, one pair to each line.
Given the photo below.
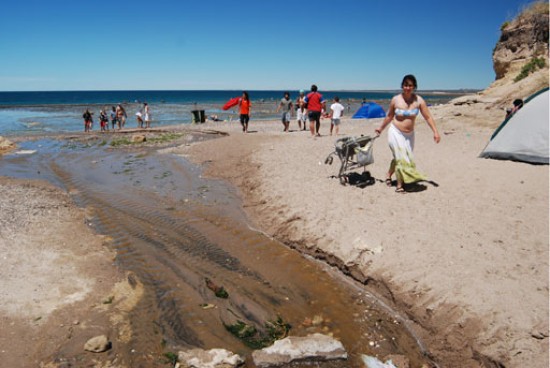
173, 230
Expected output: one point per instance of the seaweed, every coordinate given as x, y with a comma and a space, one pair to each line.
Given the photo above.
255, 339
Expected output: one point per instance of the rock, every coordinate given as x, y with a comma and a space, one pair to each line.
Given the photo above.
138, 138
292, 348
25, 152
6, 145
98, 344
214, 358
372, 362
522, 39
540, 331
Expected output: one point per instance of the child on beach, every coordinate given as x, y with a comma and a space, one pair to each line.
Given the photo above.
103, 120
301, 111
139, 119
287, 106
336, 112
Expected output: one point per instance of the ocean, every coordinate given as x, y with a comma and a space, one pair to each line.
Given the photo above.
61, 111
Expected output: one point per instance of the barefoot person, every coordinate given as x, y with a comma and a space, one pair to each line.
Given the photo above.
147, 113
336, 113
315, 105
88, 120
244, 106
301, 111
121, 116
404, 108
287, 107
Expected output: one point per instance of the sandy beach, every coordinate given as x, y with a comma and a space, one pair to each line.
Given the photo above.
466, 258
194, 238
463, 256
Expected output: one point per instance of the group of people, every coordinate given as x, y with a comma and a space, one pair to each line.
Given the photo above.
118, 118
401, 116
311, 106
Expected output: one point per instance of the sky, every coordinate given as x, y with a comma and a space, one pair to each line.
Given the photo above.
250, 44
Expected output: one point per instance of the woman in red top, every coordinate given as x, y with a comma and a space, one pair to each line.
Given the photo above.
244, 104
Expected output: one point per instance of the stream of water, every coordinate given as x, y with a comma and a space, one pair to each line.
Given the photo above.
174, 230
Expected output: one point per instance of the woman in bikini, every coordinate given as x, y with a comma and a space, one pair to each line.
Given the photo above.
404, 108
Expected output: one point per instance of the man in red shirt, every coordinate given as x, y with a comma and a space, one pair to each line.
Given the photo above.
315, 104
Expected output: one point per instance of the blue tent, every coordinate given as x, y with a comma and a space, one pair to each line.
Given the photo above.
369, 110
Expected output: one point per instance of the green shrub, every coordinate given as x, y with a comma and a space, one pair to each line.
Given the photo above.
530, 67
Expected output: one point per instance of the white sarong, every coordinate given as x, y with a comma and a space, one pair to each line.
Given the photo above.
402, 146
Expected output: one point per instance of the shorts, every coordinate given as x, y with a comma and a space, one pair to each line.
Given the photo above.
314, 116
335, 121
285, 118
301, 115
244, 118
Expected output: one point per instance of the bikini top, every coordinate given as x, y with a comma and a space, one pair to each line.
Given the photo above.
403, 112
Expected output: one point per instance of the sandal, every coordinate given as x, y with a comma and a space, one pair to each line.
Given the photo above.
388, 182
400, 190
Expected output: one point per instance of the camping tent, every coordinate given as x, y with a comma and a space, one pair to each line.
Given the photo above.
524, 135
369, 110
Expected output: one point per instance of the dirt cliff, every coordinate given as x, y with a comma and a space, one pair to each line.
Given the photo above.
522, 48
521, 40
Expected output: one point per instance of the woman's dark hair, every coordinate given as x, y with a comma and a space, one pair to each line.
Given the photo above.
409, 78
246, 95
286, 94
313, 88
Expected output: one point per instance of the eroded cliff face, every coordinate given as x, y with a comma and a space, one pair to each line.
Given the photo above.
522, 39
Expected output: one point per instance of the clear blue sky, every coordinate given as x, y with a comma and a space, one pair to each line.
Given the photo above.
250, 44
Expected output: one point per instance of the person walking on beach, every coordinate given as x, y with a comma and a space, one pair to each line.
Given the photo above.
336, 112
301, 111
315, 105
88, 121
121, 116
147, 113
402, 113
244, 107
113, 117
103, 120
287, 107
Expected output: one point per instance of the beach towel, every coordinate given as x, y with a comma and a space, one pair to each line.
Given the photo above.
402, 145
